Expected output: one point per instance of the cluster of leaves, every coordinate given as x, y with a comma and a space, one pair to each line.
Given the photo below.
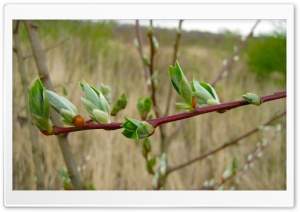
192, 92
95, 103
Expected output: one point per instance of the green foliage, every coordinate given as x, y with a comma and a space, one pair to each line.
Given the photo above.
204, 93
96, 104
136, 129
144, 106
120, 104
39, 106
267, 57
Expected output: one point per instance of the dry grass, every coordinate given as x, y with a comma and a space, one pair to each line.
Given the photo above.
111, 161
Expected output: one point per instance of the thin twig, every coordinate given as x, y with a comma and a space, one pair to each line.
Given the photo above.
141, 51
176, 46
241, 170
225, 145
48, 48
32, 129
159, 121
236, 52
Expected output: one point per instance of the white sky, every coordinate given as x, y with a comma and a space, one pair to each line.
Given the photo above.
241, 27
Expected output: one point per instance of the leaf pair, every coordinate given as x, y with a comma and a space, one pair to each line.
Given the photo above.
136, 129
39, 107
204, 93
120, 104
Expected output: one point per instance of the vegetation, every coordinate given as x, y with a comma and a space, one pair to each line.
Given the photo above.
108, 160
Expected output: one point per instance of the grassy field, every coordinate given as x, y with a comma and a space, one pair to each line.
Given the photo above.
104, 53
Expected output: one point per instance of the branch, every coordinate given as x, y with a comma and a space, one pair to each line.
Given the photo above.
236, 52
32, 129
63, 141
233, 142
176, 45
141, 51
159, 121
48, 48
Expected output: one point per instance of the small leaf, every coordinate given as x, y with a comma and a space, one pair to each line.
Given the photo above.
129, 134
119, 105
105, 90
101, 117
147, 144
145, 130
185, 91
184, 106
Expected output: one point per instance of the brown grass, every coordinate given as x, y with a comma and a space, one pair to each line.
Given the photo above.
111, 161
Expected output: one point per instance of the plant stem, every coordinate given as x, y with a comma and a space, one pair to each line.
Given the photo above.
176, 46
225, 145
32, 129
63, 141
236, 52
159, 121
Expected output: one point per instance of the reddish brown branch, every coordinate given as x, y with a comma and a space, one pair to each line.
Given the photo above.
225, 145
159, 121
236, 52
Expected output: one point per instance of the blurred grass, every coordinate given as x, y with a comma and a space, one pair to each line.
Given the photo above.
102, 52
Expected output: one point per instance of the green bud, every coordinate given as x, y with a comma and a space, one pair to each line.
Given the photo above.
62, 106
163, 164
136, 43
146, 60
252, 98
155, 43
120, 104
147, 144
136, 129
39, 107
150, 164
95, 100
144, 106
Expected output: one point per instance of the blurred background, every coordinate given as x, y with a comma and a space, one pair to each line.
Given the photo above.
104, 52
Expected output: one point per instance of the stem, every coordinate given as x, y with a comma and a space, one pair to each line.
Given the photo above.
141, 51
236, 52
233, 142
63, 141
176, 45
32, 130
159, 121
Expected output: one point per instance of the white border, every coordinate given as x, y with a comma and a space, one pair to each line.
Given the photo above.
147, 198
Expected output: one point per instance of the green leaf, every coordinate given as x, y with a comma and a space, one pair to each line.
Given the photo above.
119, 105
129, 134
46, 110
196, 87
67, 114
91, 94
147, 144
210, 90
135, 122
67, 122
176, 77
185, 91
101, 117
42, 123
105, 90
89, 106
184, 106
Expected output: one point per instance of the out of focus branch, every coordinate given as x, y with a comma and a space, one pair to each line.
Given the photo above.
236, 52
225, 145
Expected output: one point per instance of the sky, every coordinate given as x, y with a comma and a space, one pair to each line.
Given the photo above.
242, 27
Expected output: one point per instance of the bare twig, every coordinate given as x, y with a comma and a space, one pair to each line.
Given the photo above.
159, 121
48, 48
236, 52
222, 181
141, 51
32, 130
225, 145
176, 45
45, 78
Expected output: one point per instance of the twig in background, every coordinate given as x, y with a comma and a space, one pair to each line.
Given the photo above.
63, 141
236, 52
48, 48
32, 129
225, 145
176, 46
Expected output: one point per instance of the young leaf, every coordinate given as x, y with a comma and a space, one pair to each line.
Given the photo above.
105, 90
120, 104
185, 91
101, 117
